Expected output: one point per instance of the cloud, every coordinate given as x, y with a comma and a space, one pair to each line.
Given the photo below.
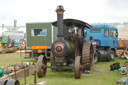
118, 4
92, 11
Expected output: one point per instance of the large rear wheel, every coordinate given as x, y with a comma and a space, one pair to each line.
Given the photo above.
87, 52
42, 66
77, 67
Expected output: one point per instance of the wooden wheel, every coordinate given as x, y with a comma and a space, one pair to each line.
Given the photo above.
42, 66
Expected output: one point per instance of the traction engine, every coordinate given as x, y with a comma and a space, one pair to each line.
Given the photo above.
70, 51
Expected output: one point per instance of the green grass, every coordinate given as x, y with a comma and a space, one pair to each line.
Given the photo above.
10, 59
100, 76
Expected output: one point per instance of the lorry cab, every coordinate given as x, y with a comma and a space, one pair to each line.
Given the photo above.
106, 37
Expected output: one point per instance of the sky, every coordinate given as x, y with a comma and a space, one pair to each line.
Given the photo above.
90, 11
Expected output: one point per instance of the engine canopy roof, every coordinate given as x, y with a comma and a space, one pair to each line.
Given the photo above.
74, 22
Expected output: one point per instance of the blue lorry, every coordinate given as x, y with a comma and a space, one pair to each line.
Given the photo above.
106, 37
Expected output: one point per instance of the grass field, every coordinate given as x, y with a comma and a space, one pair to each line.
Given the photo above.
100, 76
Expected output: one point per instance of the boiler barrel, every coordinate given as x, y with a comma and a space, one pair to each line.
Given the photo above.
62, 48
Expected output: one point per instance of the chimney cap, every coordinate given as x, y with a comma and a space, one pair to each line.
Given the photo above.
60, 8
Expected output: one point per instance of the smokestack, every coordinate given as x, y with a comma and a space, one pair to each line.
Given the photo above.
60, 10
15, 22
2, 26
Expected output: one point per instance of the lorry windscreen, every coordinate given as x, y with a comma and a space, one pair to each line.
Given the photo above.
95, 30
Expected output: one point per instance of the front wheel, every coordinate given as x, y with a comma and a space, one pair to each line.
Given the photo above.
95, 57
77, 67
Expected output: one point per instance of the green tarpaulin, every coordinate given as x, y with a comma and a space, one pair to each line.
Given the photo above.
2, 73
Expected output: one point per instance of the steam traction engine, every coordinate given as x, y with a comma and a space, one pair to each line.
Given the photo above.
69, 51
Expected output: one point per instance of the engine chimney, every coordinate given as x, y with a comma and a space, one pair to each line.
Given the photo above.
60, 10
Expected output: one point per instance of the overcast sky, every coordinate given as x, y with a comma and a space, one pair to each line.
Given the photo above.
91, 11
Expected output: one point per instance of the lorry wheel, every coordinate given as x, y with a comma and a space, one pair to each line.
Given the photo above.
77, 68
95, 57
112, 56
42, 66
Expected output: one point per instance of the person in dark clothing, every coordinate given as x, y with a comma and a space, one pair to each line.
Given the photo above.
77, 41
12, 43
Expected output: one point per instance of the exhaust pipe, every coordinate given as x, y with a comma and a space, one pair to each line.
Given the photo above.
60, 10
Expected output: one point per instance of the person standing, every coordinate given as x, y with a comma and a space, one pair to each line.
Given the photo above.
17, 43
94, 50
12, 43
93, 43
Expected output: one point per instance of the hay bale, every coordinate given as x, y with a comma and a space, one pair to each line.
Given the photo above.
8, 50
7, 70
11, 50
120, 53
2, 50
